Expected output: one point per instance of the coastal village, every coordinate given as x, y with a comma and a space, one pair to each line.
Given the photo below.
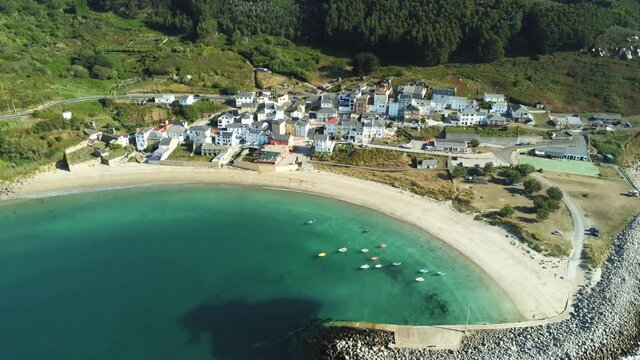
276, 129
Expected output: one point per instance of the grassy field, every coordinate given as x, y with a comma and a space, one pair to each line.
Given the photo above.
605, 206
564, 82
585, 168
491, 197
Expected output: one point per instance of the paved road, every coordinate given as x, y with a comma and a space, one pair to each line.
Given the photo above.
580, 222
100, 97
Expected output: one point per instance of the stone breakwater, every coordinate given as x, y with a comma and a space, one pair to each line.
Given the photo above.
603, 324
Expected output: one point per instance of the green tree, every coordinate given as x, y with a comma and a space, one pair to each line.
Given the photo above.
506, 211
525, 169
532, 185
554, 193
474, 143
542, 213
513, 176
459, 171
488, 169
365, 63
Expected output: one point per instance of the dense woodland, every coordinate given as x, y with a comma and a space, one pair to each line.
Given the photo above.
408, 31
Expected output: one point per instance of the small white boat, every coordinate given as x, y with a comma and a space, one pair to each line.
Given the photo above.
374, 258
322, 254
366, 231
424, 271
365, 250
365, 266
378, 266
440, 273
342, 249
397, 263
383, 245
419, 279
309, 222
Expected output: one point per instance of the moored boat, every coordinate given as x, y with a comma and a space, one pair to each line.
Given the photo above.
383, 245
365, 266
375, 258
440, 273
424, 271
365, 250
344, 249
309, 222
378, 266
397, 263
322, 254
419, 279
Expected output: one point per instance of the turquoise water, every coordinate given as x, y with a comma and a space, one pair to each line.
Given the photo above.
201, 272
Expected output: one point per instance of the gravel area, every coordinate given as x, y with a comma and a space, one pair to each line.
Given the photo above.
604, 322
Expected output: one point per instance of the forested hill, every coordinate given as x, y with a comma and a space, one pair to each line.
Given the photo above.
411, 31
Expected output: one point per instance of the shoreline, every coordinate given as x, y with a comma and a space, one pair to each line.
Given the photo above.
536, 293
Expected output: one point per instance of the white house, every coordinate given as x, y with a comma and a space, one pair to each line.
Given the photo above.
165, 99
167, 144
238, 129
279, 127
257, 137
325, 114
245, 98
186, 100
324, 144
227, 138
142, 134
177, 132
437, 106
302, 129
122, 140
394, 110
499, 107
423, 105
380, 102
493, 98
331, 127
468, 117
442, 94
327, 101
225, 119
372, 130
495, 120
458, 103
198, 131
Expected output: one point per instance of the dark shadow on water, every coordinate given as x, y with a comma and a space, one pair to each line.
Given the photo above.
240, 330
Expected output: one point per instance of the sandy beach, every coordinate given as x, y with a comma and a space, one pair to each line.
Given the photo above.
537, 292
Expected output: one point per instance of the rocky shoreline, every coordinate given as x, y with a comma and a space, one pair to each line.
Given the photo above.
604, 322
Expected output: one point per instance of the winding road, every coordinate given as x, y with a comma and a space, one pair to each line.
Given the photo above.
580, 222
100, 97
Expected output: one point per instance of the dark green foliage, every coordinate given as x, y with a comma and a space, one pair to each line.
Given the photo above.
525, 169
365, 63
474, 143
532, 185
427, 32
459, 171
506, 211
512, 176
554, 193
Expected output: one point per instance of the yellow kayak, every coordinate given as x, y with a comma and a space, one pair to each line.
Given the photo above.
322, 254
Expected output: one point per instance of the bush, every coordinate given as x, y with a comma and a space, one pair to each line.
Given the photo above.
532, 185
79, 72
554, 193
365, 63
459, 171
506, 211
103, 73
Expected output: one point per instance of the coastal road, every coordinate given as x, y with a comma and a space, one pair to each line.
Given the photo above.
100, 97
580, 222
